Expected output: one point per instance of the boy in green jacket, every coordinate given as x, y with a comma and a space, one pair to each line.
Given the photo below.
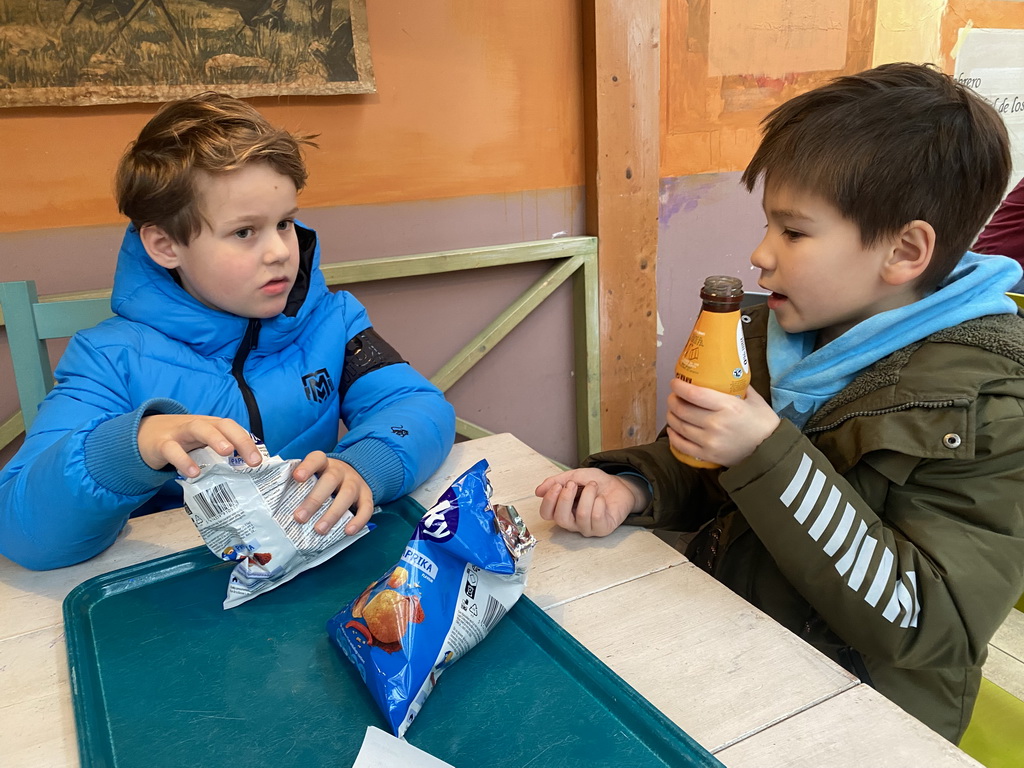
871, 495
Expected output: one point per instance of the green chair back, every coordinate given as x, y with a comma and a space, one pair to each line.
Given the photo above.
29, 324
995, 735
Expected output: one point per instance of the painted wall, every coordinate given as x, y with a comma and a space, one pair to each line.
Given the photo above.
472, 99
473, 138
908, 30
708, 225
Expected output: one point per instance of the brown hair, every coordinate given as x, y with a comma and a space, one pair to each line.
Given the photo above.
888, 146
212, 133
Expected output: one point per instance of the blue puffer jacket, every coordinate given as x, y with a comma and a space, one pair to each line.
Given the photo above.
67, 493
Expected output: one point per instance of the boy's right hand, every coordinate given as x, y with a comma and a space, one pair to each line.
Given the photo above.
590, 500
167, 438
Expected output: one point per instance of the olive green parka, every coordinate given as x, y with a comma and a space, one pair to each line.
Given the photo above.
889, 533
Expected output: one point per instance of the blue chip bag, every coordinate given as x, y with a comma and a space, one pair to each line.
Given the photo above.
463, 569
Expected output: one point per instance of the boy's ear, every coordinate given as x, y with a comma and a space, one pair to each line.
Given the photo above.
159, 245
911, 253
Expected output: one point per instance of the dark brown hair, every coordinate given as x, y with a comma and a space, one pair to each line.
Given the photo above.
211, 133
888, 146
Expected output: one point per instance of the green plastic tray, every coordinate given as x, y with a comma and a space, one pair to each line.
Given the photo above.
161, 675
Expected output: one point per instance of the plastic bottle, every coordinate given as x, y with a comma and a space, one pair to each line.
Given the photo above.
715, 355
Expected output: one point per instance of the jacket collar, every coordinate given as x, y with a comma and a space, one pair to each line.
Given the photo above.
1001, 335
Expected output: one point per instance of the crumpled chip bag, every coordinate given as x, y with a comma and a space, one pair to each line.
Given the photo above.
245, 514
462, 570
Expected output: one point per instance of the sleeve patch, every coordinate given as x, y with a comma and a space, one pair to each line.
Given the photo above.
364, 353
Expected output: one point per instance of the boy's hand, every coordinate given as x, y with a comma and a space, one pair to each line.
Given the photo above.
715, 426
590, 501
338, 478
167, 438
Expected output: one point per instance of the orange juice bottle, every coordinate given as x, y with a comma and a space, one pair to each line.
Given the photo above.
715, 355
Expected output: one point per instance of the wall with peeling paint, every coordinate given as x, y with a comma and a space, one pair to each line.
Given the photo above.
474, 137
471, 99
727, 64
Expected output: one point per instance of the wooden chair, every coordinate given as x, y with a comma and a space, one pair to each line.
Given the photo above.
29, 324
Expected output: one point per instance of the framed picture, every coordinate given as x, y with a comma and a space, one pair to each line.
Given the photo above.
76, 52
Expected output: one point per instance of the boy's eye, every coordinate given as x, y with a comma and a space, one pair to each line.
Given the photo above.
244, 233
285, 225
792, 234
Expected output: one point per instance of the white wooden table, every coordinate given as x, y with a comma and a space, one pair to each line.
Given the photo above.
746, 689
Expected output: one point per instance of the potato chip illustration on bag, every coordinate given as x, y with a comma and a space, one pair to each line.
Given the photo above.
386, 617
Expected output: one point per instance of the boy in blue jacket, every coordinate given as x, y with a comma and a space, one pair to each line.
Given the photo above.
223, 327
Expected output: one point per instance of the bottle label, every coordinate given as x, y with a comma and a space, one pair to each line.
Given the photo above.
689, 360
715, 356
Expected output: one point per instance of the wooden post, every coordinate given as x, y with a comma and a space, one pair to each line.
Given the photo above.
621, 99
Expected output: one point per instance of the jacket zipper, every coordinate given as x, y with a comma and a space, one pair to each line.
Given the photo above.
249, 341
882, 411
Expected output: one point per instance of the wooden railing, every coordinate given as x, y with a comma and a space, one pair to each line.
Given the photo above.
571, 258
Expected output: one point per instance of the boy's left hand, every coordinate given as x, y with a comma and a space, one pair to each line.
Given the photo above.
715, 426
338, 478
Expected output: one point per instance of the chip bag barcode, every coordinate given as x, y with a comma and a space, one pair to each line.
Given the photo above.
463, 569
245, 514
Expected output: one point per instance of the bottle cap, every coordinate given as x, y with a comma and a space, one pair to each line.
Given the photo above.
722, 293
722, 286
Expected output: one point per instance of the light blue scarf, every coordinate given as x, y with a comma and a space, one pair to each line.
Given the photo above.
803, 379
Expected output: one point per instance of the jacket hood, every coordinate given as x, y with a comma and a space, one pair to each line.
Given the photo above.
804, 378
148, 294
1001, 335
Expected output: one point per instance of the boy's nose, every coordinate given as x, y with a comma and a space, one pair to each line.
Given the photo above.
761, 256
278, 249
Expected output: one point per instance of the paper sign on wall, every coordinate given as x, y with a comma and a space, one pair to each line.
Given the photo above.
991, 61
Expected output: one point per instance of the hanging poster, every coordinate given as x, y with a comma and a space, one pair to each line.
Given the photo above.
991, 61
75, 52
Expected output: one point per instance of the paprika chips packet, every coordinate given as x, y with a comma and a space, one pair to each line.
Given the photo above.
462, 570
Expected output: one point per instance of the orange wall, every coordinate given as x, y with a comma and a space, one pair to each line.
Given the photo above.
472, 98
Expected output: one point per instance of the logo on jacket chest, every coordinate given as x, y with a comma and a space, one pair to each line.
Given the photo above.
317, 385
